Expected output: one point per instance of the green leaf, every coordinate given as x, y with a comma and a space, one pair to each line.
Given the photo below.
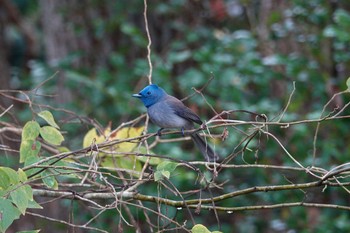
12, 176
20, 198
30, 130
21, 175
330, 31
8, 213
48, 117
177, 57
164, 169
30, 161
129, 162
342, 18
62, 149
49, 180
166, 174
29, 148
199, 228
4, 179
33, 205
29, 192
126, 162
152, 161
158, 176
143, 150
348, 83
51, 135
167, 166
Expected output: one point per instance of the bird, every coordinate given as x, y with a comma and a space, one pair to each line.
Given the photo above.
167, 111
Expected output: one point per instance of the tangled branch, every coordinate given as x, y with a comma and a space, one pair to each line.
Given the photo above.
122, 188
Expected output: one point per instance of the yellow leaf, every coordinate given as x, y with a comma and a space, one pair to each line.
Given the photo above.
107, 131
125, 133
199, 228
92, 136
128, 132
89, 137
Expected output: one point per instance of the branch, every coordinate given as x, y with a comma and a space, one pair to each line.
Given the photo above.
230, 210
169, 202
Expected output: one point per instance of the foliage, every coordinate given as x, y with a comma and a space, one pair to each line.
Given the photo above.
289, 61
16, 196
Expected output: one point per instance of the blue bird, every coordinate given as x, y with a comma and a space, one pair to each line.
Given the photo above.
166, 111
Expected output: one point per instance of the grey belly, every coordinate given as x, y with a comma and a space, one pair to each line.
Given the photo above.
164, 117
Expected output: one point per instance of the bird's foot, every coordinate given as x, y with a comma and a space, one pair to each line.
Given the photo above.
203, 126
182, 132
159, 132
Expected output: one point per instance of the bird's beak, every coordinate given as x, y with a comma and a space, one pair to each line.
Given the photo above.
137, 95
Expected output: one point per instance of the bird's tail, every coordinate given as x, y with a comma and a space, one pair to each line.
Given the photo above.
205, 149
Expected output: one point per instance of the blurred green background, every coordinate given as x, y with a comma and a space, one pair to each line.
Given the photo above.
95, 52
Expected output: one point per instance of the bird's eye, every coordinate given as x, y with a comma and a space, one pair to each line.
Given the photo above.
148, 92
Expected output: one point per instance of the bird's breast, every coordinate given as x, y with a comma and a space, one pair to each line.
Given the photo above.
164, 116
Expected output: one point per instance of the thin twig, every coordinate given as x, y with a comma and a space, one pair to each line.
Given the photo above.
6, 110
288, 103
65, 222
149, 43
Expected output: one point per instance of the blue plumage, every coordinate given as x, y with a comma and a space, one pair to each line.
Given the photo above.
167, 111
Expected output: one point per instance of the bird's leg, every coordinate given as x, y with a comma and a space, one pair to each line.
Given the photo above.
203, 126
159, 132
183, 132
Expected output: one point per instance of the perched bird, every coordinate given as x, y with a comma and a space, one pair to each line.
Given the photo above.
166, 111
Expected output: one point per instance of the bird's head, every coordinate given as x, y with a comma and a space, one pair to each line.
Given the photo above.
150, 95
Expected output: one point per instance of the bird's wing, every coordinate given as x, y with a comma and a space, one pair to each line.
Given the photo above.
181, 110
